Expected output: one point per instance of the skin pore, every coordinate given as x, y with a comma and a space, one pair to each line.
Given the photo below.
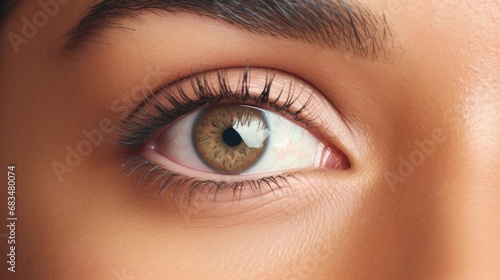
413, 103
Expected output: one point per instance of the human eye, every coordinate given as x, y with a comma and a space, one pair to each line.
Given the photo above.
229, 134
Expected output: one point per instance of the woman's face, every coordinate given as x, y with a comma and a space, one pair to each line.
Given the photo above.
316, 139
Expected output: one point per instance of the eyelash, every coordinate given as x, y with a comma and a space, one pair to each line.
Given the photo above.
138, 127
153, 174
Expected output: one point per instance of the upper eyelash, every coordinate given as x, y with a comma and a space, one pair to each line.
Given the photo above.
138, 127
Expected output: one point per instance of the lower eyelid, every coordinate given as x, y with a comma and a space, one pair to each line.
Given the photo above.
203, 175
253, 185
183, 189
249, 203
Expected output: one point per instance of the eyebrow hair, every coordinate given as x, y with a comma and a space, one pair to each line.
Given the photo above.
330, 23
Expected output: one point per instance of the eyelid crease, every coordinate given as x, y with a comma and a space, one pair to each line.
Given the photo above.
168, 103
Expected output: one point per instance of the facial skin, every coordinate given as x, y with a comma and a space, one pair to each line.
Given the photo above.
419, 125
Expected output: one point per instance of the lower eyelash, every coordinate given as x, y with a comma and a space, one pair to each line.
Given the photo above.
153, 175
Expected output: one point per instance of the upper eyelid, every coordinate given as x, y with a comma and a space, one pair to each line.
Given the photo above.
140, 131
176, 83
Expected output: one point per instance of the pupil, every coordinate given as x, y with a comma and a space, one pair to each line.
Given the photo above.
231, 137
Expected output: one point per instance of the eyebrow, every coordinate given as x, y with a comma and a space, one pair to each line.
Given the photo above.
336, 24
